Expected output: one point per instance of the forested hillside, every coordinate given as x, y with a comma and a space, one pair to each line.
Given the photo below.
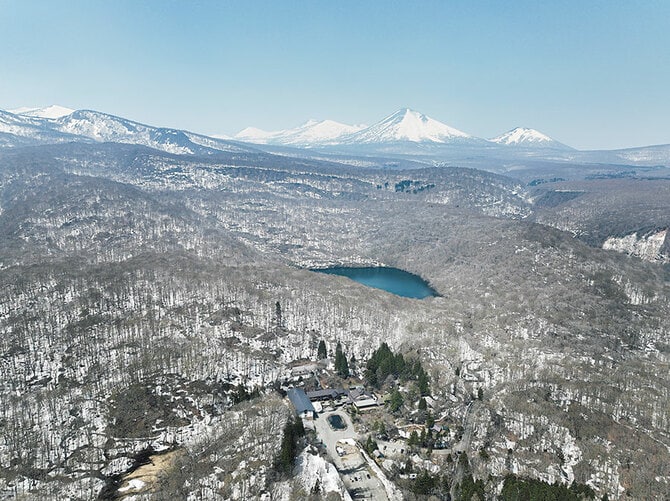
139, 293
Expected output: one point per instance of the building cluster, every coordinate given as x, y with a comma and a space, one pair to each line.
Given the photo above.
308, 403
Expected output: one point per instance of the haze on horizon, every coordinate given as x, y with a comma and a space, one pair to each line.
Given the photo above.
593, 76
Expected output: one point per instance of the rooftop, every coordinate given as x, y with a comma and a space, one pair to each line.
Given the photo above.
299, 399
326, 393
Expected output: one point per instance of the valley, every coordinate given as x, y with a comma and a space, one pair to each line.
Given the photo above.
157, 299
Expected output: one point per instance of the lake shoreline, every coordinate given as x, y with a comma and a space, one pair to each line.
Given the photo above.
394, 280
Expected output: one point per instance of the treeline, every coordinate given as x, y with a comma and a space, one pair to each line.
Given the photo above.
514, 488
436, 486
426, 484
521, 489
384, 364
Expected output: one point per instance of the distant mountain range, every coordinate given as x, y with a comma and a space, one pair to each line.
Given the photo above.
309, 133
405, 133
405, 125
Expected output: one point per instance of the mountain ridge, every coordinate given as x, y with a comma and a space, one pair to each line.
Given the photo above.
52, 111
91, 125
403, 126
405, 133
306, 134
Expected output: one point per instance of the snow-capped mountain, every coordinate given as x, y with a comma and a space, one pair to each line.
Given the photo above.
407, 133
109, 128
312, 132
53, 111
407, 125
255, 135
524, 137
86, 125
15, 124
19, 130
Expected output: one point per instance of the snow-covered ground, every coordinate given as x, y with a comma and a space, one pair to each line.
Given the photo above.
314, 471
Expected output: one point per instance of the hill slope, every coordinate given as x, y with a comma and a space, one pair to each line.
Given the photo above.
140, 287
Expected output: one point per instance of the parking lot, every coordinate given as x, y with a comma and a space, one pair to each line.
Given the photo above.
357, 476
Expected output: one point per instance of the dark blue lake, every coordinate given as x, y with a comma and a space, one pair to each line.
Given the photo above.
392, 280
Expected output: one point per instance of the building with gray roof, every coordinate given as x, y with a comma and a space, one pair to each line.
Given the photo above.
302, 405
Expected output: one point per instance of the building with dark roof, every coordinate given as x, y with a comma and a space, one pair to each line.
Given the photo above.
302, 405
327, 394
362, 399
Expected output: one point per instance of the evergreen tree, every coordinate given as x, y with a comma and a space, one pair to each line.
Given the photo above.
424, 483
370, 445
472, 489
464, 462
384, 364
422, 381
298, 429
288, 450
341, 364
344, 370
396, 401
321, 352
518, 489
278, 315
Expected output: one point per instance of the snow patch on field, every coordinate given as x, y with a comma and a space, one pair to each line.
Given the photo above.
312, 469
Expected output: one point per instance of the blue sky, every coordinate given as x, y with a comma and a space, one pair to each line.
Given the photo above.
590, 74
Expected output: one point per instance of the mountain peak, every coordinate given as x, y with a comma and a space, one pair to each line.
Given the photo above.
409, 114
408, 111
523, 136
311, 122
53, 111
252, 134
408, 125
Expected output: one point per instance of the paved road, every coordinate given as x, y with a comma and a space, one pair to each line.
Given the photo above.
358, 478
464, 444
468, 426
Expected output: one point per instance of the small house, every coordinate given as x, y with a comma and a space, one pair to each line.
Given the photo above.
362, 399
